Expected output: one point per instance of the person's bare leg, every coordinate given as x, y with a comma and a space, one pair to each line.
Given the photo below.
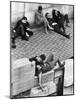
45, 25
39, 80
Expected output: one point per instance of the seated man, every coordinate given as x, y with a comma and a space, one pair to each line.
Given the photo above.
40, 19
22, 29
56, 26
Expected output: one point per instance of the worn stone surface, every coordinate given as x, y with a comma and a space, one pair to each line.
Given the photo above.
41, 43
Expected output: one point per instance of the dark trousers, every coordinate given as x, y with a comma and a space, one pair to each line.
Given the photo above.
66, 18
61, 25
19, 32
30, 33
57, 29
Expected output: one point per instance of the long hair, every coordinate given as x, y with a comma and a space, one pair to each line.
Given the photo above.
46, 15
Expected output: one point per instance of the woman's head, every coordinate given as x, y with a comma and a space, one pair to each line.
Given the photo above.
48, 15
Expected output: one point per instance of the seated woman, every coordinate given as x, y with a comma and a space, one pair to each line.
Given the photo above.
55, 25
22, 29
55, 15
40, 19
39, 62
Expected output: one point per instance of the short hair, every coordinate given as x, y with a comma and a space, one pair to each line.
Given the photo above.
40, 8
53, 11
24, 18
43, 57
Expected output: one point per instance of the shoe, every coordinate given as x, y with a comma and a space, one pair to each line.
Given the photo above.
13, 46
26, 38
68, 36
23, 38
40, 87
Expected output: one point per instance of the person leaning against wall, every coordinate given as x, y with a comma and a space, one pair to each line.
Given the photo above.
40, 19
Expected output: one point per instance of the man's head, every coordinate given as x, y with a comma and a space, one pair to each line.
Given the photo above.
24, 19
40, 9
41, 57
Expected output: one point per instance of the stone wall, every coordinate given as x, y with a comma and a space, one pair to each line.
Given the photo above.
18, 10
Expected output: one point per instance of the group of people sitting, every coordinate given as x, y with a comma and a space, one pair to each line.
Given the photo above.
42, 66
54, 23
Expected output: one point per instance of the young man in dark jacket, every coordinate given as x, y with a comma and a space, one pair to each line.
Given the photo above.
21, 29
39, 62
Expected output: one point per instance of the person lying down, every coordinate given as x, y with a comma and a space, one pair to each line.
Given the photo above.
54, 26
43, 67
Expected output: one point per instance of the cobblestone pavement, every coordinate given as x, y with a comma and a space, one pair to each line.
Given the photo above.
41, 43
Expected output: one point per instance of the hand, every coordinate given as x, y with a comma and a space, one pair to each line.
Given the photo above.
28, 29
14, 31
54, 23
39, 67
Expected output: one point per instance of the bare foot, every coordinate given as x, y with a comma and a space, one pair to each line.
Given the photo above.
46, 32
